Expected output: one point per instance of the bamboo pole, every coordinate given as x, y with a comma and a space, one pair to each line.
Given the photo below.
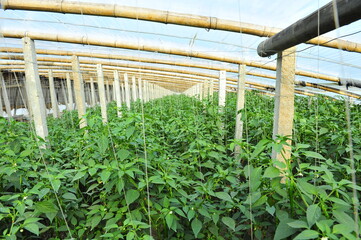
194, 64
232, 80
115, 10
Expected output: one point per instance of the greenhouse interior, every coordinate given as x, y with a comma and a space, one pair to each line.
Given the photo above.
156, 119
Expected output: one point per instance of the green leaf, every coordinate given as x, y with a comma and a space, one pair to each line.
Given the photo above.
314, 155
129, 132
123, 154
214, 154
79, 175
130, 235
313, 214
103, 143
342, 228
196, 226
224, 196
169, 220
32, 227
31, 220
69, 196
271, 172
95, 221
131, 195
298, 224
56, 185
26, 153
307, 234
204, 212
104, 175
343, 218
46, 207
229, 222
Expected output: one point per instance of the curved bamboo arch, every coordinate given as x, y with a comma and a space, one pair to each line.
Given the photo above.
115, 10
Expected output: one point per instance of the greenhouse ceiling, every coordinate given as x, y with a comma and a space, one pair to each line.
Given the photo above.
229, 48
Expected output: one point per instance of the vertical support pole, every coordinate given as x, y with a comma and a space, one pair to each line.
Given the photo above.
103, 101
79, 91
107, 99
127, 90
144, 91
92, 89
1, 106
240, 105
34, 90
64, 94
123, 92
140, 89
54, 101
211, 87
134, 89
284, 100
116, 88
222, 90
70, 92
5, 97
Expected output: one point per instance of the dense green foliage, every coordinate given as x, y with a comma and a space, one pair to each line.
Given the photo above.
167, 171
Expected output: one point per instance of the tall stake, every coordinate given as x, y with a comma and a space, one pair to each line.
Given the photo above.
33, 89
70, 92
127, 90
54, 101
116, 88
92, 89
102, 98
6, 97
240, 106
134, 89
284, 101
79, 91
222, 90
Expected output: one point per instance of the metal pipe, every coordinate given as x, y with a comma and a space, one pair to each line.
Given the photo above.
317, 23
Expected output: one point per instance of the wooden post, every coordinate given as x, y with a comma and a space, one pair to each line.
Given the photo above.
140, 89
134, 89
33, 89
70, 92
103, 101
222, 90
92, 89
240, 106
79, 91
107, 99
127, 90
116, 87
123, 92
64, 94
284, 100
54, 101
1, 106
6, 97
